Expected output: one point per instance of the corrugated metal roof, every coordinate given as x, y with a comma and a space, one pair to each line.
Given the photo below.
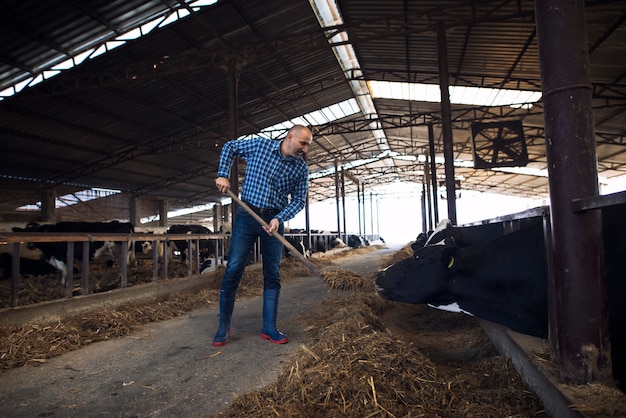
150, 116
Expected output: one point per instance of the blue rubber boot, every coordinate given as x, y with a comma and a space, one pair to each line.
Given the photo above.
227, 303
270, 310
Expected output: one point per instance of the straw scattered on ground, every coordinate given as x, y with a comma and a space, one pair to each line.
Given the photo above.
364, 356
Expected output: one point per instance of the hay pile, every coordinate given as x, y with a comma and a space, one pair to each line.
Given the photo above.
355, 369
34, 343
354, 364
345, 280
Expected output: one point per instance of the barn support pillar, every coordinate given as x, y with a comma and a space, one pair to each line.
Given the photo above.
233, 72
163, 209
446, 121
358, 204
434, 209
372, 213
134, 210
227, 214
217, 217
337, 199
343, 203
579, 282
363, 200
423, 198
48, 205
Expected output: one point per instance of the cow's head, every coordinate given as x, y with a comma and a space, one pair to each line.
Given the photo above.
422, 278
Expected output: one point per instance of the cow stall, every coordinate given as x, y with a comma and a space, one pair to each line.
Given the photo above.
76, 253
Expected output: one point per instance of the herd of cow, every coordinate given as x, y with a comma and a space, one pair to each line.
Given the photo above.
45, 258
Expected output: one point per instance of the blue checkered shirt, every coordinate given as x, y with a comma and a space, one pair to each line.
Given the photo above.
270, 178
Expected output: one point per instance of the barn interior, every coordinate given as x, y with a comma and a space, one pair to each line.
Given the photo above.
109, 101
117, 110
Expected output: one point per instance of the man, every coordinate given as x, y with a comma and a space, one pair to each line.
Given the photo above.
275, 171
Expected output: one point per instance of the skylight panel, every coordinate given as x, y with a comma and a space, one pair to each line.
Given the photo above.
130, 35
74, 198
114, 44
147, 28
478, 96
37, 80
64, 65
203, 3
317, 117
170, 19
99, 51
299, 121
349, 107
400, 90
78, 59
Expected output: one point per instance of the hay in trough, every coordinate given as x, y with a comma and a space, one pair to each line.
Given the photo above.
345, 280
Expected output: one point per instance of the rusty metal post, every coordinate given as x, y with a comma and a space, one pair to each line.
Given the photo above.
446, 121
580, 300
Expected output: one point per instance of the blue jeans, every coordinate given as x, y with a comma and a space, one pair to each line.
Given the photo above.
246, 230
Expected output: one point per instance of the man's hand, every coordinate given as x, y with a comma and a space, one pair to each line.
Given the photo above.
273, 226
222, 184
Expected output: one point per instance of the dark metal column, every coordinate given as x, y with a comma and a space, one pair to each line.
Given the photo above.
232, 74
48, 205
448, 151
579, 282
364, 215
343, 202
433, 174
372, 211
337, 199
358, 204
423, 203
163, 209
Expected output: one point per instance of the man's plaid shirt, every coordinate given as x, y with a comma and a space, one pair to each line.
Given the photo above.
270, 178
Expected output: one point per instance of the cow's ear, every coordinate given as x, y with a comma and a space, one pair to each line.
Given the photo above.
448, 260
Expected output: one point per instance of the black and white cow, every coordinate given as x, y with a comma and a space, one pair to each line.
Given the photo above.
502, 279
28, 266
357, 241
55, 253
296, 242
206, 246
322, 241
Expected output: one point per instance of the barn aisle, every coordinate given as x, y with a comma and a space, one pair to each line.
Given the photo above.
170, 368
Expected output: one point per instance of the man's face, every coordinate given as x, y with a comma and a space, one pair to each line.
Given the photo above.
297, 143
